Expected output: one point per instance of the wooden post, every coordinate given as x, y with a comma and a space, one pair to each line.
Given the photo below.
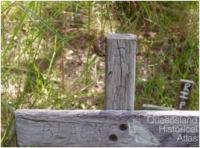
120, 71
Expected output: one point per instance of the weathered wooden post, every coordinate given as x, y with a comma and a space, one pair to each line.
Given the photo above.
120, 71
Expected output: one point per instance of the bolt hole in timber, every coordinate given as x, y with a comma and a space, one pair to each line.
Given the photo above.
123, 127
113, 137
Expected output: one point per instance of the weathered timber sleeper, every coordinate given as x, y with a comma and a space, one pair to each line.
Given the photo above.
106, 128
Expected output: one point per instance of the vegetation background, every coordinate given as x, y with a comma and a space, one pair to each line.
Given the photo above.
49, 57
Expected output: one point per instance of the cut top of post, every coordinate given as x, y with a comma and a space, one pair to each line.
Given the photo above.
122, 36
120, 71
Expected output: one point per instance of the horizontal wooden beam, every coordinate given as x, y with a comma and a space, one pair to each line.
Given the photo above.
155, 107
106, 128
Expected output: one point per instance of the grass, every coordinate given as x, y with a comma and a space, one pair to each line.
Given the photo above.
48, 59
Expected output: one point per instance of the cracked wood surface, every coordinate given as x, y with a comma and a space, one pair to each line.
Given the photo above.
106, 128
120, 71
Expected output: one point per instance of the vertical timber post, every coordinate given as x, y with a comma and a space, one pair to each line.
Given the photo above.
120, 71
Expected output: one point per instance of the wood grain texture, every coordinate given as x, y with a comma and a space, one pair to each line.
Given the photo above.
106, 128
120, 71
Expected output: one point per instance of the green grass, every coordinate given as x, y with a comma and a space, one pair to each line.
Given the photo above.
48, 61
